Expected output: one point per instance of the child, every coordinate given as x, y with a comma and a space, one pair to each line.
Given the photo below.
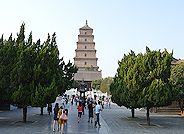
80, 110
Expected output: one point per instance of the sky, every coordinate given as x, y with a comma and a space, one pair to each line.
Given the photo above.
118, 25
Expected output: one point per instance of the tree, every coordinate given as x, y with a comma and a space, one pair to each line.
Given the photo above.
157, 90
45, 71
177, 80
69, 70
7, 59
96, 84
22, 73
32, 74
116, 91
102, 84
105, 85
52, 75
143, 80
126, 82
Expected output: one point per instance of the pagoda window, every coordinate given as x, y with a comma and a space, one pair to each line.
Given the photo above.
85, 54
85, 39
85, 63
85, 47
85, 32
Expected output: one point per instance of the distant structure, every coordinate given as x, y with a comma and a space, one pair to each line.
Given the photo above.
85, 57
177, 61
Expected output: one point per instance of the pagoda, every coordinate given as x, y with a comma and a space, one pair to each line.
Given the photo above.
85, 57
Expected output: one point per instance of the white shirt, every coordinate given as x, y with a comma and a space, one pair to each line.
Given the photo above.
97, 109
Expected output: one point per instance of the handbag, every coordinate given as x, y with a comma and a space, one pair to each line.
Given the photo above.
63, 117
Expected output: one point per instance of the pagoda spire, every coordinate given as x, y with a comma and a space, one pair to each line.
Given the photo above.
86, 23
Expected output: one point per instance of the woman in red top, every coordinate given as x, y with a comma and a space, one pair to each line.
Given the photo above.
80, 109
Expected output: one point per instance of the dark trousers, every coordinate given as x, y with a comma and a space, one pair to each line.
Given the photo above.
97, 119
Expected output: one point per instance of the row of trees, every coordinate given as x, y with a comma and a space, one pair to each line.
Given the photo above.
31, 73
103, 84
143, 80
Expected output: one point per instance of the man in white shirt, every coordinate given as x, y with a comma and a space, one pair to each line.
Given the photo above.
97, 112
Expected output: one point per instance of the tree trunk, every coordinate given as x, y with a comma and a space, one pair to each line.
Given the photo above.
41, 111
133, 112
24, 114
147, 115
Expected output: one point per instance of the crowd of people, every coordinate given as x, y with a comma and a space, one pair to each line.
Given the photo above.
94, 108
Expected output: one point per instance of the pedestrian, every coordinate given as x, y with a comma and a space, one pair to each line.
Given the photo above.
66, 107
102, 103
106, 102
97, 113
62, 119
49, 108
72, 100
109, 103
80, 109
56, 109
63, 102
76, 99
83, 104
90, 108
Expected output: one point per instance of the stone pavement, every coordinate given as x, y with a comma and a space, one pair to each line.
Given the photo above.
114, 121
120, 122
11, 123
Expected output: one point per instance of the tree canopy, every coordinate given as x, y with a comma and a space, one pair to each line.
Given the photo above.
143, 80
177, 80
32, 74
103, 84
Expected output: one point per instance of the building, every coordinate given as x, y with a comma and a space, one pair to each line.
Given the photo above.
85, 57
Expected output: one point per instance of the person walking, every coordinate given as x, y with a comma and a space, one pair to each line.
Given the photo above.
109, 103
90, 108
63, 102
83, 101
72, 97
56, 109
49, 108
62, 119
80, 109
97, 113
66, 107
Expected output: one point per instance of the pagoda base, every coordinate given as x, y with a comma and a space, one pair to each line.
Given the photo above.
87, 75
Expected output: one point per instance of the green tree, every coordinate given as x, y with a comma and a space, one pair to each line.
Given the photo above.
143, 80
69, 70
177, 80
96, 84
32, 74
117, 92
126, 83
157, 90
7, 59
105, 85
45, 71
22, 74
52, 75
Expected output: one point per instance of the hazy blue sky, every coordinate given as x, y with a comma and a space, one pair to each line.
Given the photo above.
119, 25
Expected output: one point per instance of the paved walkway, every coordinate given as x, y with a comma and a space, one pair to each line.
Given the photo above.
120, 122
113, 121
11, 123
